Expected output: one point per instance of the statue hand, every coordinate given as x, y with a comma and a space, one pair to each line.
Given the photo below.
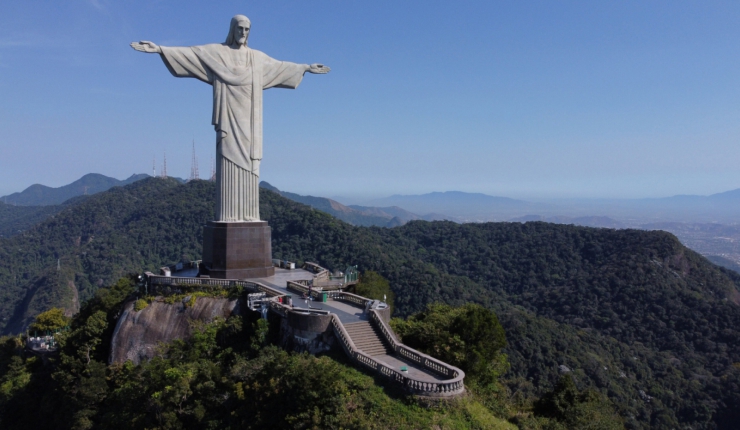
318, 69
146, 46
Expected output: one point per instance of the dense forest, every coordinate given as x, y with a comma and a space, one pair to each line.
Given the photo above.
632, 315
16, 219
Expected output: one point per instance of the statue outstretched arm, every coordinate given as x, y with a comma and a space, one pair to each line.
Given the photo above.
146, 46
318, 69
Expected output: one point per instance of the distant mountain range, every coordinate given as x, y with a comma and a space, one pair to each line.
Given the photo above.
462, 206
615, 213
92, 183
585, 221
389, 216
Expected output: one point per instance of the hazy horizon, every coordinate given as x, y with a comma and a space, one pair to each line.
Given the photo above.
361, 199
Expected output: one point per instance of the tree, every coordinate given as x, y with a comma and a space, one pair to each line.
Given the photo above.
577, 410
469, 337
374, 286
51, 321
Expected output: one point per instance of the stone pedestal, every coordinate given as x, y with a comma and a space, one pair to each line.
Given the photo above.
237, 250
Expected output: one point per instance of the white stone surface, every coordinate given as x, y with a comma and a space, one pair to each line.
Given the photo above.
238, 75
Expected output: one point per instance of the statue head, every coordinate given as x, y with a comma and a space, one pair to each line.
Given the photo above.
239, 30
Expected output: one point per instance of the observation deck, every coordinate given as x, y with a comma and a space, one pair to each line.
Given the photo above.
358, 323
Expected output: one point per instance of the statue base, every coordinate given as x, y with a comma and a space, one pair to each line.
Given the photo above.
237, 250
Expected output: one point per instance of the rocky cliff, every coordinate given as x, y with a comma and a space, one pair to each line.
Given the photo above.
138, 333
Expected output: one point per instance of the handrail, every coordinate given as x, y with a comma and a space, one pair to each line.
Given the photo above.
313, 267
300, 288
349, 297
176, 280
426, 361
331, 294
448, 388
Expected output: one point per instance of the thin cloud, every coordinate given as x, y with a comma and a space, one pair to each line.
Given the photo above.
97, 4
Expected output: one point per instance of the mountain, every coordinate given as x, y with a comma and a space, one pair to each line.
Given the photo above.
391, 211
476, 207
353, 214
732, 195
92, 183
717, 208
585, 221
464, 206
632, 314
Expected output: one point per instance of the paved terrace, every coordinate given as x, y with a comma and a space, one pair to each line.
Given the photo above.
348, 313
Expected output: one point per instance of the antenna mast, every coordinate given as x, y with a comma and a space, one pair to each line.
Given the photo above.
164, 166
213, 171
194, 165
154, 166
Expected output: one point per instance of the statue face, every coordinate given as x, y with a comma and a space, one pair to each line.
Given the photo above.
242, 32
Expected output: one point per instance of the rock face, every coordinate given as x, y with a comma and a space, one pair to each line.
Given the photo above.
137, 334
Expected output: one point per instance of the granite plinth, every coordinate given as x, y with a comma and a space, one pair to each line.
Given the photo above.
237, 250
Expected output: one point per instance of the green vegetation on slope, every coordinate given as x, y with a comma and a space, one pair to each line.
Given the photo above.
96, 241
224, 377
17, 219
633, 315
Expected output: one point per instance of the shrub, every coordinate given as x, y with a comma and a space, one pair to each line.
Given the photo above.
140, 305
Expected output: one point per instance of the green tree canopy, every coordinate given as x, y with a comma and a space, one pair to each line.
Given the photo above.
374, 286
469, 337
576, 410
51, 320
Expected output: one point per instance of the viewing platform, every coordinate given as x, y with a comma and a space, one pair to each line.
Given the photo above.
309, 311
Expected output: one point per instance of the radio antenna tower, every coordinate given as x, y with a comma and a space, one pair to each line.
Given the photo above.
194, 166
164, 166
213, 171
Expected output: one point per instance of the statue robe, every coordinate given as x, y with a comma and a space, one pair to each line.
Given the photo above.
238, 77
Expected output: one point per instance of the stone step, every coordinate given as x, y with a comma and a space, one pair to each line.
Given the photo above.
367, 338
366, 343
362, 324
361, 330
365, 335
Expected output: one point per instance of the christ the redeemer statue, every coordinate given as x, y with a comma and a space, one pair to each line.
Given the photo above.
238, 75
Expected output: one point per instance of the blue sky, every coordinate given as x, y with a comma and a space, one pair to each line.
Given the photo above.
512, 98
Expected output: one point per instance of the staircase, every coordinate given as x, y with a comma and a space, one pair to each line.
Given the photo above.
367, 338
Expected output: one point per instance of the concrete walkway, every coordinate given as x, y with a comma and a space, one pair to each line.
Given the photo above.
414, 371
347, 313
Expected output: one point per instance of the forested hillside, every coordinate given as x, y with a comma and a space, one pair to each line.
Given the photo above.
92, 183
633, 314
16, 219
63, 260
